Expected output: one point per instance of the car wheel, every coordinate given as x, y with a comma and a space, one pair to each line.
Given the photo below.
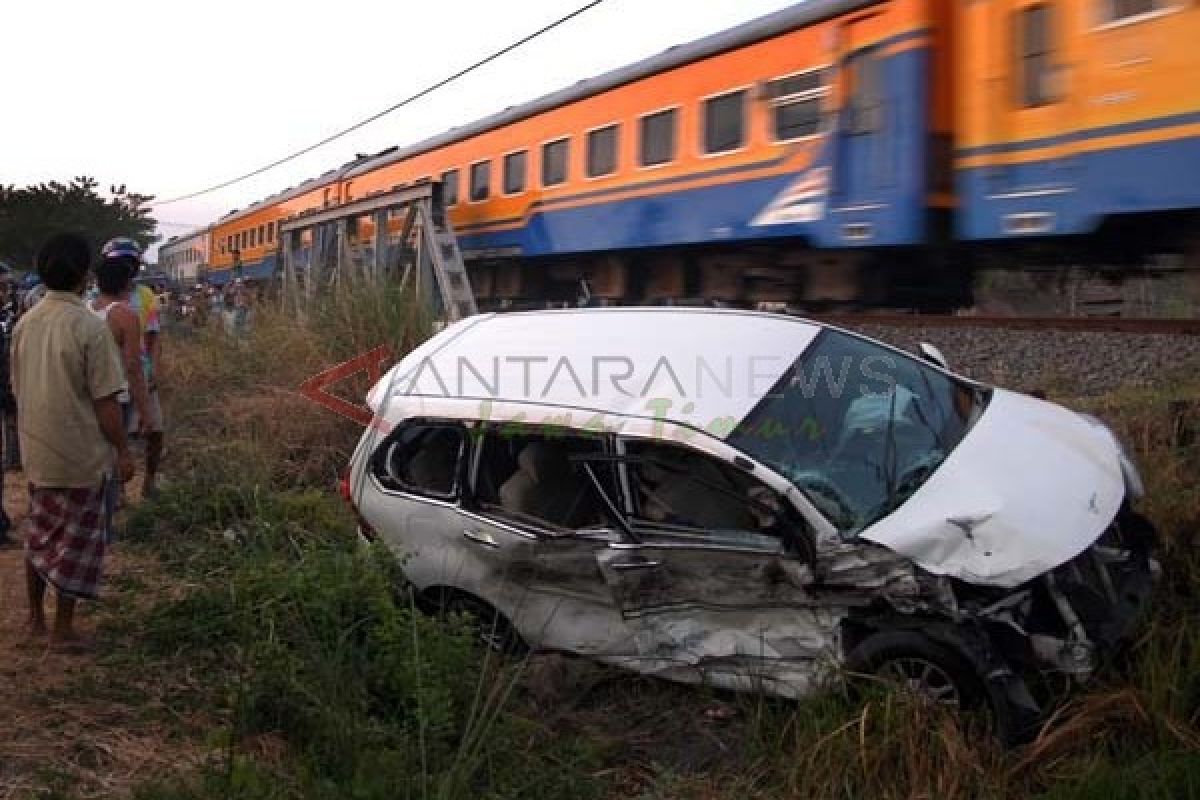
920, 665
491, 627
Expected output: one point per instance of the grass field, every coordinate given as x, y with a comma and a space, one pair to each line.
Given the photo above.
285, 657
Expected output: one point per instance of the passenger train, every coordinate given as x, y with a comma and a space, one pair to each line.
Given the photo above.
837, 151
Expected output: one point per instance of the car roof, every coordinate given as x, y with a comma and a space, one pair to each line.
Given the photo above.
701, 368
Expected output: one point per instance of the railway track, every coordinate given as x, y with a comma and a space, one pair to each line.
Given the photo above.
1175, 327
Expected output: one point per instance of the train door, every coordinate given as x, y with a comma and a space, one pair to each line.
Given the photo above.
1032, 105
865, 169
866, 139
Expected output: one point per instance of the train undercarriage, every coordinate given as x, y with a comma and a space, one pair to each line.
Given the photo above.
1147, 267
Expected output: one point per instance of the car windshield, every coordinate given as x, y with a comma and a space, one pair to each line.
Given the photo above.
858, 427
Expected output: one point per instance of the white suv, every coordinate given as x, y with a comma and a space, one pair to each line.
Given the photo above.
754, 501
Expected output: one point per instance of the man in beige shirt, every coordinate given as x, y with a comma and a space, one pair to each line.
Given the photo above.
66, 375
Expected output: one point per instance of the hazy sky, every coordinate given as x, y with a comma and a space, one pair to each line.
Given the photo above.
173, 97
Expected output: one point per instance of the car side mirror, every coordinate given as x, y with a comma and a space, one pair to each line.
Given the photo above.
932, 355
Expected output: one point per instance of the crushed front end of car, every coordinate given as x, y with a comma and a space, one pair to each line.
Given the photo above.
1028, 644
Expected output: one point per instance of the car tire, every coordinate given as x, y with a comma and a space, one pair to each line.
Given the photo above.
927, 667
492, 628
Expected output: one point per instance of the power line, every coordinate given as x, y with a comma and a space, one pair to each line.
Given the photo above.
410, 99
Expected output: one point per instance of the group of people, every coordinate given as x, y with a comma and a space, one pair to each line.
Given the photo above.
232, 305
84, 378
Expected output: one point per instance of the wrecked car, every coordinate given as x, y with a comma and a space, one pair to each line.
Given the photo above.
753, 501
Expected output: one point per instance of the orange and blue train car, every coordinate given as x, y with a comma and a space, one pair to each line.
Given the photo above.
1073, 113
732, 137
885, 129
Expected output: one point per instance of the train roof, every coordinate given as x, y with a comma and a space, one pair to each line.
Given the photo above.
756, 30
787, 19
183, 238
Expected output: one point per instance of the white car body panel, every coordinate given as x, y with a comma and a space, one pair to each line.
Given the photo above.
1028, 488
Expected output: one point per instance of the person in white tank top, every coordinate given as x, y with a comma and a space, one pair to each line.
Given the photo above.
103, 313
111, 305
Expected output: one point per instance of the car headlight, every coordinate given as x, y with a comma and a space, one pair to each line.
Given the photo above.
1134, 486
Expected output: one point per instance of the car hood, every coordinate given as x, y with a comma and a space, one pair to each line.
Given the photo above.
1029, 487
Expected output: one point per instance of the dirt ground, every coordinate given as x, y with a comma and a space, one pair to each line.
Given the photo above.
74, 724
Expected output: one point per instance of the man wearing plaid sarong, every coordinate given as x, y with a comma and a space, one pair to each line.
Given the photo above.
66, 374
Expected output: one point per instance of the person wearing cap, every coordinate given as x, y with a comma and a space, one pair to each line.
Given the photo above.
144, 303
113, 284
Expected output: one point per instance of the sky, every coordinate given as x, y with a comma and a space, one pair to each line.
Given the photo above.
171, 97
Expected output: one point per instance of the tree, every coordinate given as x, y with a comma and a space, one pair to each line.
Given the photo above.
31, 215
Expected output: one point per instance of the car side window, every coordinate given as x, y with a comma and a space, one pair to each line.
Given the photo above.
421, 458
535, 477
677, 488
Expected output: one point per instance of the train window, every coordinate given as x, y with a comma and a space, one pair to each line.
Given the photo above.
554, 162
796, 104
481, 176
270, 231
1035, 66
1121, 10
866, 98
262, 234
602, 151
725, 122
515, 165
657, 141
253, 238
450, 187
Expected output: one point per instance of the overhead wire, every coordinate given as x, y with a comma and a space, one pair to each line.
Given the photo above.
390, 109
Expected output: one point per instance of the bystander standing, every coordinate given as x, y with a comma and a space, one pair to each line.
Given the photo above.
145, 304
67, 376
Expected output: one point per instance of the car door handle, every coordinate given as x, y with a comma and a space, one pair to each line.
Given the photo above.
481, 537
626, 566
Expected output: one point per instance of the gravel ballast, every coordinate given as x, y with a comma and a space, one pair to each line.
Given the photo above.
1072, 363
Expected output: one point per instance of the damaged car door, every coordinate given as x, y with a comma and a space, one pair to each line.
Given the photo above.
526, 481
415, 497
714, 575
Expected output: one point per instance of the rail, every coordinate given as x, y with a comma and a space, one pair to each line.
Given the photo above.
1175, 327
